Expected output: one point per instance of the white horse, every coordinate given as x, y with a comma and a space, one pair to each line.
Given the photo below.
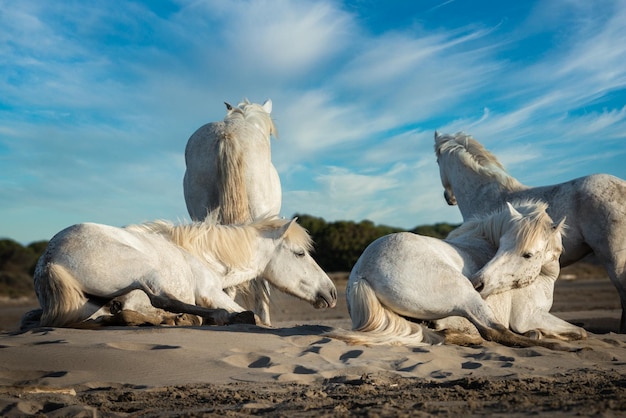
230, 172
404, 275
595, 206
181, 268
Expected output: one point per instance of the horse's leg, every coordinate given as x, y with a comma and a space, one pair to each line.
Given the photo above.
490, 329
615, 265
530, 313
540, 323
219, 316
260, 289
135, 308
255, 295
602, 223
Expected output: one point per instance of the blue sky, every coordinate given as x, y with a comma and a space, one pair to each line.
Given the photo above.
98, 99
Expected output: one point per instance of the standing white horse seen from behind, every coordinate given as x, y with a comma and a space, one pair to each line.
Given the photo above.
595, 205
182, 269
230, 173
406, 276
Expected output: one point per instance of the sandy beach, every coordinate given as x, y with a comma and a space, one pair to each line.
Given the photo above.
292, 369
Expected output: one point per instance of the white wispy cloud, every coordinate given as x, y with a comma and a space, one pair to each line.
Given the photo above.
98, 100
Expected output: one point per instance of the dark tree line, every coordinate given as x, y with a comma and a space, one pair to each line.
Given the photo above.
337, 247
17, 264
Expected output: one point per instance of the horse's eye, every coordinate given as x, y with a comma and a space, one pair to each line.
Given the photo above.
527, 255
299, 253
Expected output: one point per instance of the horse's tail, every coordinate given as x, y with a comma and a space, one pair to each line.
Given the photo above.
61, 296
231, 181
374, 324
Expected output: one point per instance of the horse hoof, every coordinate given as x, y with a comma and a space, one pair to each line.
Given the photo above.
245, 317
534, 334
187, 320
115, 307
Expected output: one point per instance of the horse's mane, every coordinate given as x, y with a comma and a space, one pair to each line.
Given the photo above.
474, 156
534, 224
233, 246
254, 114
231, 181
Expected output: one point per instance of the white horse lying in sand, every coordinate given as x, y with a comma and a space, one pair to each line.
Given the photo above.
181, 268
404, 275
230, 173
595, 206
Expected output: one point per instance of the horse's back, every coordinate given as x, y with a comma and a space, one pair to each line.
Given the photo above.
106, 258
605, 188
201, 180
407, 249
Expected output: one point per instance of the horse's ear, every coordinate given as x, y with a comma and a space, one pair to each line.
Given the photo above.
559, 226
267, 106
283, 229
228, 106
512, 210
437, 135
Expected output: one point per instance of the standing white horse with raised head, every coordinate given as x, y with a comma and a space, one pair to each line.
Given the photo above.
404, 275
181, 268
230, 173
595, 205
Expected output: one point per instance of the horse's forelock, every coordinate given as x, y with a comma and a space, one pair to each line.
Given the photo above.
536, 224
445, 143
299, 236
473, 155
296, 234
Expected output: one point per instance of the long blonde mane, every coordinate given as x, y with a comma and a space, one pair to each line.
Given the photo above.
233, 246
473, 155
534, 224
231, 177
231, 181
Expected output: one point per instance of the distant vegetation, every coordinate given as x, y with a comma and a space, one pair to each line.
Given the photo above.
339, 244
337, 247
17, 264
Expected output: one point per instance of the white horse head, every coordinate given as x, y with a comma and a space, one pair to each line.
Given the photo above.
528, 244
276, 248
293, 270
461, 150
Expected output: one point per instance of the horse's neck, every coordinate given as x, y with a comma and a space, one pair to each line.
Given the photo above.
476, 250
550, 270
261, 124
478, 194
233, 276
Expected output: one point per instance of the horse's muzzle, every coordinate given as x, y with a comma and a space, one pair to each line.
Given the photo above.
450, 199
326, 299
478, 283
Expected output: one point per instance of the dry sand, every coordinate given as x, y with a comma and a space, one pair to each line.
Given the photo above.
293, 370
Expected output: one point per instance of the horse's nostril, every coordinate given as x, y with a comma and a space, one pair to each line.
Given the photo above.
479, 286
